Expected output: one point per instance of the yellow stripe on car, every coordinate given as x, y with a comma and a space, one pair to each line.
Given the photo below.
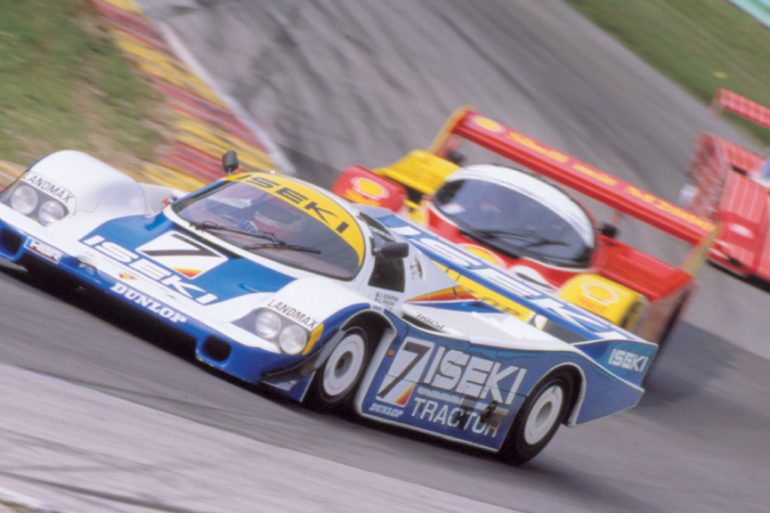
488, 296
316, 204
606, 298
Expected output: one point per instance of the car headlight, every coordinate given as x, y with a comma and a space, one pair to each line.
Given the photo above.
24, 200
288, 336
267, 324
51, 211
292, 339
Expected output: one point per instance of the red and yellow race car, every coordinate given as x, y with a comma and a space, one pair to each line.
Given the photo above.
729, 185
519, 219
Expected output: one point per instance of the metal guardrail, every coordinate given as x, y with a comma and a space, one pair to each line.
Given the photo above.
757, 9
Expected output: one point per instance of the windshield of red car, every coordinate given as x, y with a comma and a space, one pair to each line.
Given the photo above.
511, 222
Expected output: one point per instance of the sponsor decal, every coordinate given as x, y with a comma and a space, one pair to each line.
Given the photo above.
44, 250
293, 313
386, 410
149, 269
458, 417
430, 321
463, 375
182, 254
488, 124
317, 205
47, 186
440, 388
369, 188
669, 208
628, 360
388, 300
148, 303
599, 293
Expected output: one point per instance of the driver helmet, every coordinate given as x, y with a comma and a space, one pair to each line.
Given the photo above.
275, 216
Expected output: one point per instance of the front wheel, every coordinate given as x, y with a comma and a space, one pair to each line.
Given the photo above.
337, 380
538, 419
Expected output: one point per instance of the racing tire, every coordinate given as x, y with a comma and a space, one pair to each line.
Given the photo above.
337, 380
538, 419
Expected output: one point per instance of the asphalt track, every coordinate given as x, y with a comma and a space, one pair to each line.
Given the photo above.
98, 416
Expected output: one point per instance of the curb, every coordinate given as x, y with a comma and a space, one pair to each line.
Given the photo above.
9, 171
204, 125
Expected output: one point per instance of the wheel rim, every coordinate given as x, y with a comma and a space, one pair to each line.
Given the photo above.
544, 414
343, 366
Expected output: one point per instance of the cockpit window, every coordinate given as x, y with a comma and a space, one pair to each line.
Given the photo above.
280, 226
387, 273
513, 223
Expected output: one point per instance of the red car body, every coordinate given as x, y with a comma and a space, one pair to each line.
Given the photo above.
619, 282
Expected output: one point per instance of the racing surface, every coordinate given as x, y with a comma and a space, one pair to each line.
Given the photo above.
116, 417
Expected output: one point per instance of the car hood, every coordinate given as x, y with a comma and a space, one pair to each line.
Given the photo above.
156, 248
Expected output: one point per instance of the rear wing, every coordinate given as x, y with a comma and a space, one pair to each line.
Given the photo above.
617, 194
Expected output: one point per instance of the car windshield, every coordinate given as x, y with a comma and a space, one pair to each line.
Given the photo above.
280, 219
513, 223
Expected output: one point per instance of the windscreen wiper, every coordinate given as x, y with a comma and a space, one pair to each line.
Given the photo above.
279, 244
212, 226
530, 237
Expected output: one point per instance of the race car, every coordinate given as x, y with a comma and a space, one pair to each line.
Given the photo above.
518, 219
729, 185
286, 286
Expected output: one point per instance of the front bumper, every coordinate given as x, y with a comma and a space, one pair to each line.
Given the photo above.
212, 347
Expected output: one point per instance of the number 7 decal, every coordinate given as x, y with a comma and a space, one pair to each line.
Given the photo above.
405, 372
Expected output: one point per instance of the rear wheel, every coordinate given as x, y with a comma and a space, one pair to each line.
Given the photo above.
538, 418
337, 380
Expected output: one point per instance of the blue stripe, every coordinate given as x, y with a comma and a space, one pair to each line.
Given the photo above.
236, 277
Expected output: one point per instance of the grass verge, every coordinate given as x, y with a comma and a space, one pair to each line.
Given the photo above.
703, 45
64, 84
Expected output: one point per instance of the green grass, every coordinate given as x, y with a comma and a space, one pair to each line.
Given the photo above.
64, 84
704, 45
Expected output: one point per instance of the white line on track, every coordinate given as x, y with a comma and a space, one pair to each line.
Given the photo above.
16, 500
181, 51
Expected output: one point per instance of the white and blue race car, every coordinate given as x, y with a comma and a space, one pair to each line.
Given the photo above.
284, 285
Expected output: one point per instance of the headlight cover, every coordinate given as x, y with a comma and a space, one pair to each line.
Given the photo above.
24, 199
290, 337
34, 203
51, 211
267, 324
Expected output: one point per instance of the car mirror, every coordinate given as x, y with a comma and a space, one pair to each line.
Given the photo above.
608, 230
393, 250
455, 157
230, 162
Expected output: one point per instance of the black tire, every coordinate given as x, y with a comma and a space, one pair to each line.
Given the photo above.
337, 381
539, 418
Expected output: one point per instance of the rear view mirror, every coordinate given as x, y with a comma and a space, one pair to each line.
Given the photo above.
608, 230
230, 162
393, 250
